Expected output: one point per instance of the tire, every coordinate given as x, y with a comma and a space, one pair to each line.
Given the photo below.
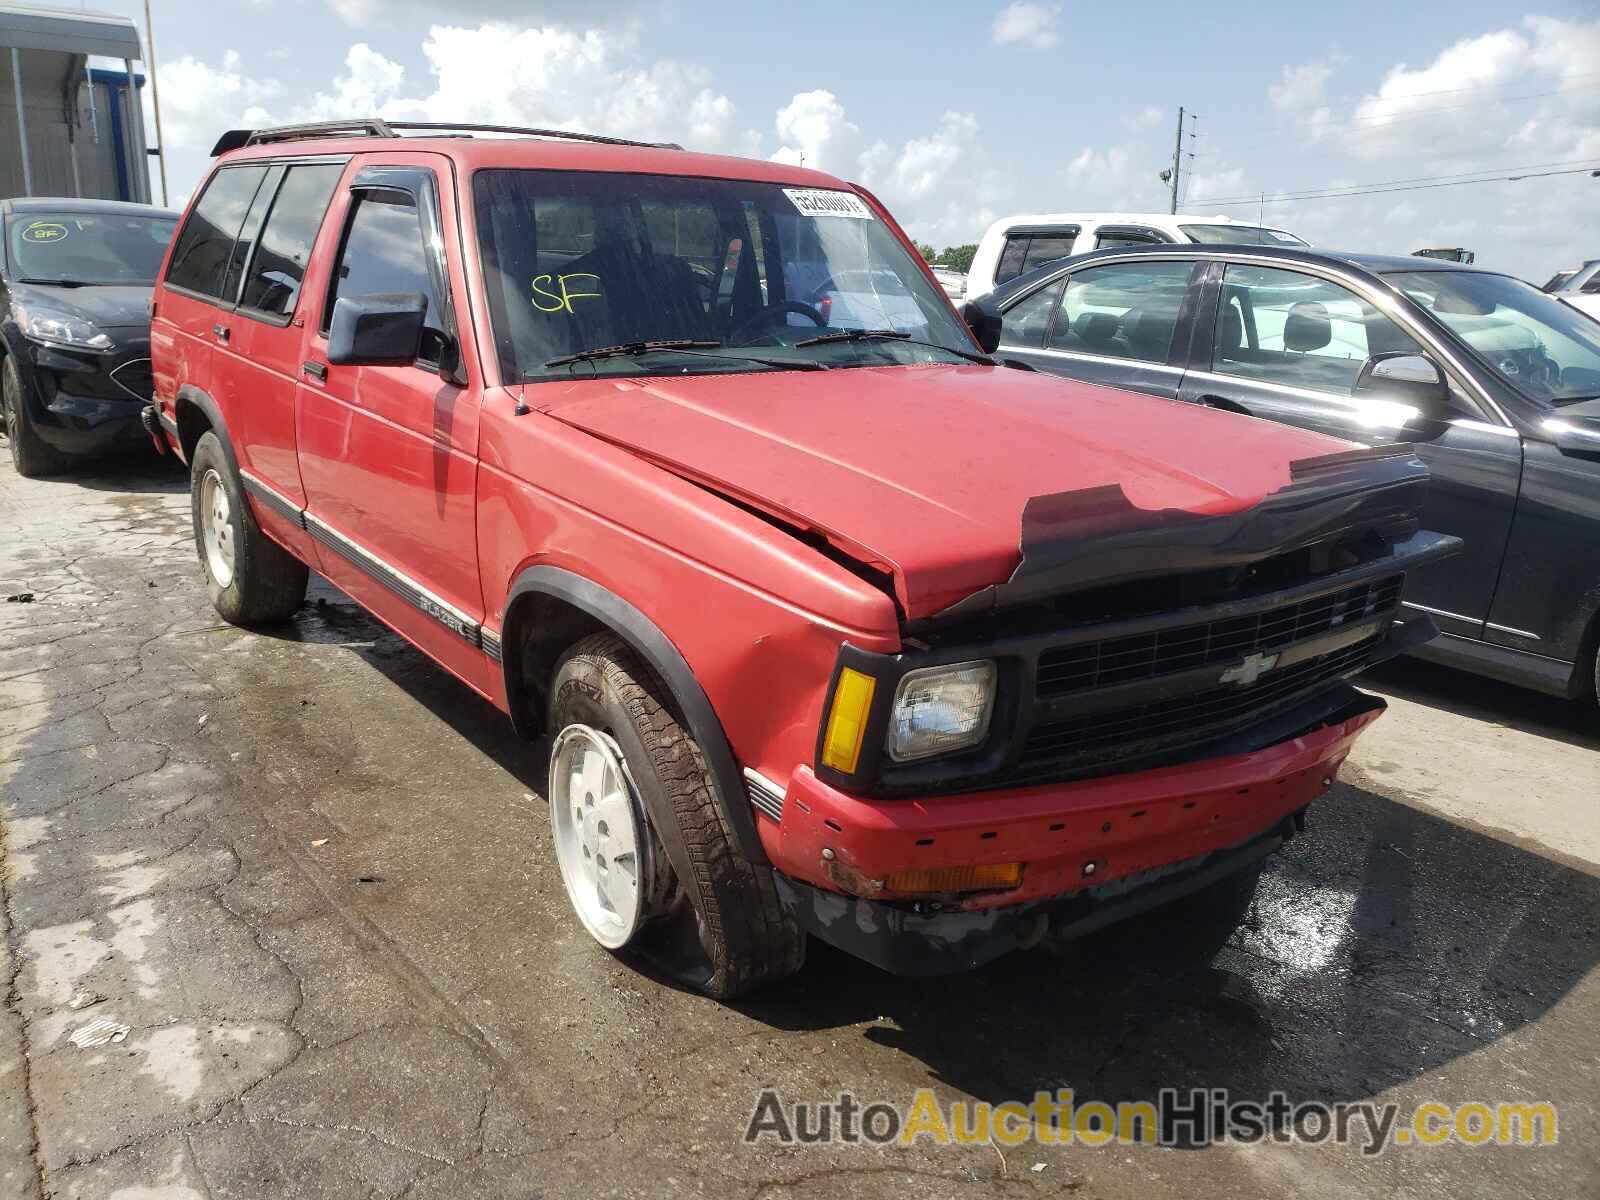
252, 579
30, 454
743, 930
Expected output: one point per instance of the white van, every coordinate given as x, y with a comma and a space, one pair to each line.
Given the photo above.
1015, 245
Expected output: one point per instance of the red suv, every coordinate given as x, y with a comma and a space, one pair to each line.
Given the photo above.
836, 626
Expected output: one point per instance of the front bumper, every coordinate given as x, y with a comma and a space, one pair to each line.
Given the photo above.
1092, 850
85, 404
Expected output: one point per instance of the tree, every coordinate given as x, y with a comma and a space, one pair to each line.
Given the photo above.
959, 257
928, 252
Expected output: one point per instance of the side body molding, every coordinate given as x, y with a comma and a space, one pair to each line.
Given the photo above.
654, 646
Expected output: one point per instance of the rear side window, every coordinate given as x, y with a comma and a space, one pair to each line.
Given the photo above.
200, 259
1025, 251
284, 247
1042, 250
383, 254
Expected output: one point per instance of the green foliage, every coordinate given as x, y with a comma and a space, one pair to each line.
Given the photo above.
928, 252
959, 257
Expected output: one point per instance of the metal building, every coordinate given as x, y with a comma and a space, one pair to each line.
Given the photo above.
66, 128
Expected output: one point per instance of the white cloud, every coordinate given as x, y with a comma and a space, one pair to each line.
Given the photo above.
1147, 117
392, 14
1030, 24
199, 101
1301, 87
814, 131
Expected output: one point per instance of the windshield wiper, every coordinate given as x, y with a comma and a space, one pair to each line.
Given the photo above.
889, 335
58, 282
692, 346
1566, 400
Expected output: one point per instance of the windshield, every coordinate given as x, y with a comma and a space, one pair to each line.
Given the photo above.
87, 247
1544, 348
578, 261
1240, 235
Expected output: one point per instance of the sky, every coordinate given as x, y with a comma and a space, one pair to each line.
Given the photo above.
958, 113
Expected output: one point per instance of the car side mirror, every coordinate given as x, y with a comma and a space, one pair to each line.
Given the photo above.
1578, 436
376, 329
1401, 375
985, 324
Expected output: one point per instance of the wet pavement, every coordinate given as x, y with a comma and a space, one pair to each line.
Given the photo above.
284, 922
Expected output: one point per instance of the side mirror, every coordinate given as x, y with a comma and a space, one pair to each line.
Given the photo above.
1412, 378
985, 324
1579, 436
376, 329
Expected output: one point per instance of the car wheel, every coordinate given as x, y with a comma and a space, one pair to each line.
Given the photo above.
30, 454
252, 579
621, 752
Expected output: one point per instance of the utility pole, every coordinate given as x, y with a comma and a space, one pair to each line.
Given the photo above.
155, 98
1178, 157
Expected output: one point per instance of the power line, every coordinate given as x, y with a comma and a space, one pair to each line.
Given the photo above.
1378, 190
1462, 175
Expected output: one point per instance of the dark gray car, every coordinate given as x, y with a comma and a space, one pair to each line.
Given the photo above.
1495, 383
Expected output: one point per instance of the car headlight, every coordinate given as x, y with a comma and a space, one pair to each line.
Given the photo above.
60, 329
941, 709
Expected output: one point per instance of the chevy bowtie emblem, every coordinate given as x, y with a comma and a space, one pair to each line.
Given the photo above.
1251, 668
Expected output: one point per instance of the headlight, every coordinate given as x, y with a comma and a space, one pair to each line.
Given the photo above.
940, 709
60, 329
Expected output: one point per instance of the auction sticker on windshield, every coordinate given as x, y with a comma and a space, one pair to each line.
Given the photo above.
44, 231
821, 202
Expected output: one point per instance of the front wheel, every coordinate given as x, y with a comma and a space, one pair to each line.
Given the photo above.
252, 579
622, 757
31, 455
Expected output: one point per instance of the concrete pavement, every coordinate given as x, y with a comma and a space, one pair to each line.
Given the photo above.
310, 875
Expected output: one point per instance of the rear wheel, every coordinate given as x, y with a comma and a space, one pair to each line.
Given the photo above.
31, 455
252, 579
622, 754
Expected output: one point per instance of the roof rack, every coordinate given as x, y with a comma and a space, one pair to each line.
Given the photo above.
233, 139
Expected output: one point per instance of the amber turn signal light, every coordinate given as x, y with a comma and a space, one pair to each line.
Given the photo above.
847, 720
988, 878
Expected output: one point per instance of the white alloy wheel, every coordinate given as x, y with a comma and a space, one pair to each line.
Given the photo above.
601, 841
216, 527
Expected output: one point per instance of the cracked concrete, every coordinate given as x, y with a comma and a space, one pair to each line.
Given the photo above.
187, 808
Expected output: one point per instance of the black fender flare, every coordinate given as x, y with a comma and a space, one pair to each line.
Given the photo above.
202, 399
646, 639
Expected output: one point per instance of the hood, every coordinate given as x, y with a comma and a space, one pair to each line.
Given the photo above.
109, 306
923, 472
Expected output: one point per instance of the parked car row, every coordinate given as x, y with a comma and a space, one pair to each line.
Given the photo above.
836, 625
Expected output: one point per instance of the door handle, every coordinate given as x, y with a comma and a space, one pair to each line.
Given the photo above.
1224, 404
221, 331
316, 370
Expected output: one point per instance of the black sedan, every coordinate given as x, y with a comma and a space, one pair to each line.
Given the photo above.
1495, 383
75, 281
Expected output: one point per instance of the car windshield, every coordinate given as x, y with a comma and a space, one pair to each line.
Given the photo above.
1544, 348
1240, 235
578, 261
87, 247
